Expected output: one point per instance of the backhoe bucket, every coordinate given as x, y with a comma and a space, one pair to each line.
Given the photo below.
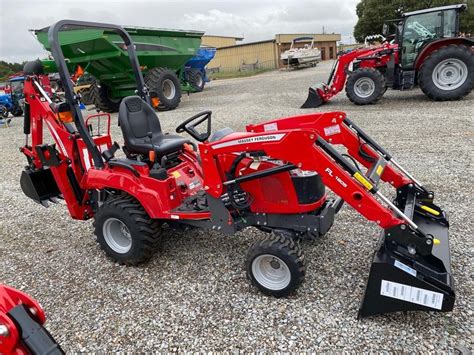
399, 282
314, 99
39, 185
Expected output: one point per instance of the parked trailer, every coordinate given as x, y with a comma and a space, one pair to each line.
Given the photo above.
103, 54
195, 68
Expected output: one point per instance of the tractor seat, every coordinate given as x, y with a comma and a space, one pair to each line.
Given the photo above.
136, 118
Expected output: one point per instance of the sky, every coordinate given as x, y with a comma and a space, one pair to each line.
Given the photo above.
253, 20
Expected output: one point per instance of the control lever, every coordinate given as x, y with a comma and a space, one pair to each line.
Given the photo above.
157, 171
152, 157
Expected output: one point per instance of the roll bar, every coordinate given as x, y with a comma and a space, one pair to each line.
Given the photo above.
53, 38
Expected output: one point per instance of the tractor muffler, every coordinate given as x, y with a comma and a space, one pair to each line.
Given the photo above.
314, 99
39, 185
408, 278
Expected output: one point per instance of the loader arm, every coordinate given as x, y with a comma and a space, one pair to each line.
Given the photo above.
300, 140
412, 262
322, 93
368, 57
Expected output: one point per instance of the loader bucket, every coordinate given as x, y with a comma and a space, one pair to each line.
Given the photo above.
399, 282
39, 185
314, 99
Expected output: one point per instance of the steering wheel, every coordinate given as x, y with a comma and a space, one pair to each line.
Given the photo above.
189, 126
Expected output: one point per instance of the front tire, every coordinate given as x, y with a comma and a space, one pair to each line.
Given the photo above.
447, 73
125, 231
275, 265
165, 84
365, 86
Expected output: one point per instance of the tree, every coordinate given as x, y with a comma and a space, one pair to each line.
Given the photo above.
373, 13
7, 69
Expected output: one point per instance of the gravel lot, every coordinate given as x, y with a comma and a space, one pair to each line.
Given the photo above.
194, 294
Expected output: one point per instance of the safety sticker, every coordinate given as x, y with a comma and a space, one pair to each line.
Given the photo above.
363, 180
332, 130
412, 294
269, 127
379, 170
405, 268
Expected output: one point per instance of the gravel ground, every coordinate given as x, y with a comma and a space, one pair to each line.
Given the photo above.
194, 295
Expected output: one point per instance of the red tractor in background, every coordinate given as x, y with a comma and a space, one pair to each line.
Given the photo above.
21, 325
424, 50
272, 177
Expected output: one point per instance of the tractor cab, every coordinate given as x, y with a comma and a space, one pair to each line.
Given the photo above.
418, 28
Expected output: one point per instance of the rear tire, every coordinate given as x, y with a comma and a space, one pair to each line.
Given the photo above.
365, 86
447, 73
165, 84
125, 231
99, 95
275, 265
196, 79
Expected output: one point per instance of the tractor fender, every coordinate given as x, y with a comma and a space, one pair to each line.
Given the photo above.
432, 46
142, 188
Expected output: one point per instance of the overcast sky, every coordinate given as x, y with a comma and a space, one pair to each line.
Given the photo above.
254, 20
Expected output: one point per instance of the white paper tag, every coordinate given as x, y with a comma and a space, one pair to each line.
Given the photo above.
412, 294
405, 268
269, 127
332, 130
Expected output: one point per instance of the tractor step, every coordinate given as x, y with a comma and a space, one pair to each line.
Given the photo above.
194, 203
400, 283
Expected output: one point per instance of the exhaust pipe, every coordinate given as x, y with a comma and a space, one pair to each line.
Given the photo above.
314, 99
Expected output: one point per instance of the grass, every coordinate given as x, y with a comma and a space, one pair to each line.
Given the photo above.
237, 74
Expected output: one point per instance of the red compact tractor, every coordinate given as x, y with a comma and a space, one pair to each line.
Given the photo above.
425, 51
272, 177
21, 325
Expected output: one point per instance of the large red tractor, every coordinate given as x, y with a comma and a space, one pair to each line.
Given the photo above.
272, 177
425, 50
21, 325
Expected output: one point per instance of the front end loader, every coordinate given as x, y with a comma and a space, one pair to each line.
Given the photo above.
272, 177
426, 50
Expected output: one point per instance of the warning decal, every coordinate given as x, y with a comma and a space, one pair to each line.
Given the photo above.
412, 294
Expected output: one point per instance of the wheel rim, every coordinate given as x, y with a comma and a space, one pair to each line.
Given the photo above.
364, 87
271, 272
450, 74
117, 235
169, 90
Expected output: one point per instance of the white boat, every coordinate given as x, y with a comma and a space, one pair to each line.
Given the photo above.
306, 55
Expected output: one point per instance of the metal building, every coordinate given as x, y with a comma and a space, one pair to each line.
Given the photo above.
266, 54
219, 41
